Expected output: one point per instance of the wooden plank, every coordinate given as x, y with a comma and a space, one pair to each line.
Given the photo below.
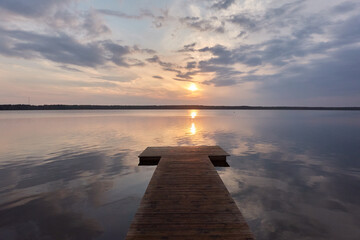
186, 198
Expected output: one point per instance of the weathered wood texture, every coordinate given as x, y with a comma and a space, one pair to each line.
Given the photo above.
186, 199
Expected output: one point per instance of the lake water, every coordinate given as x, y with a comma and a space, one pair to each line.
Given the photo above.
293, 174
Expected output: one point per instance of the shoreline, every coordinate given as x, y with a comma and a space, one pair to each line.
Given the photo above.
26, 107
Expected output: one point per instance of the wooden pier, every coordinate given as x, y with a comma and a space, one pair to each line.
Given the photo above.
186, 198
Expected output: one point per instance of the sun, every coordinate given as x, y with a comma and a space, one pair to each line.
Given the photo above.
193, 87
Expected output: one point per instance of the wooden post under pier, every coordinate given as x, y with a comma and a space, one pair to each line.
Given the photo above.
186, 198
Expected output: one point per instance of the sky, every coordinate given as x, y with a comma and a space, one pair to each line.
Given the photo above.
212, 52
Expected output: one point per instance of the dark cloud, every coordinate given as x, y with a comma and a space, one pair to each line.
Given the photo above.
241, 34
172, 70
118, 54
187, 75
180, 76
120, 14
191, 65
346, 32
225, 76
56, 15
188, 48
223, 4
62, 48
244, 20
115, 78
333, 76
203, 25
33, 8
156, 59
225, 56
182, 80
158, 77
191, 45
345, 7
279, 51
71, 69
272, 19
170, 67
144, 50
157, 20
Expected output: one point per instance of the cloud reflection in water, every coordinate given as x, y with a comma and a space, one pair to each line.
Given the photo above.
294, 175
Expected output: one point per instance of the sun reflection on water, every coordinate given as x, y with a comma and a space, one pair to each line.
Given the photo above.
193, 129
193, 114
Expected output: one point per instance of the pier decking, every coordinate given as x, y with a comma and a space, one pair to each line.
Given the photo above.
186, 198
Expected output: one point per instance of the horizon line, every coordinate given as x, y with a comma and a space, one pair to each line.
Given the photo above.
163, 106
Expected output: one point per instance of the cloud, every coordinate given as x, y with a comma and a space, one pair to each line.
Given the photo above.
276, 52
170, 67
118, 52
344, 7
286, 15
187, 75
156, 59
158, 20
33, 8
241, 34
116, 78
191, 65
94, 25
225, 76
223, 4
144, 50
56, 16
332, 76
59, 48
346, 32
203, 25
158, 77
143, 14
62, 48
297, 75
225, 56
244, 20
188, 48
182, 80
71, 69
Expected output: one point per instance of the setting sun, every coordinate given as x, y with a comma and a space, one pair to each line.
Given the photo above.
193, 87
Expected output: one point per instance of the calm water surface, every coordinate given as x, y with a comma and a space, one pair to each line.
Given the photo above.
74, 174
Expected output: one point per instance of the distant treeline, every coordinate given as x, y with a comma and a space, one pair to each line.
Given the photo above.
144, 107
